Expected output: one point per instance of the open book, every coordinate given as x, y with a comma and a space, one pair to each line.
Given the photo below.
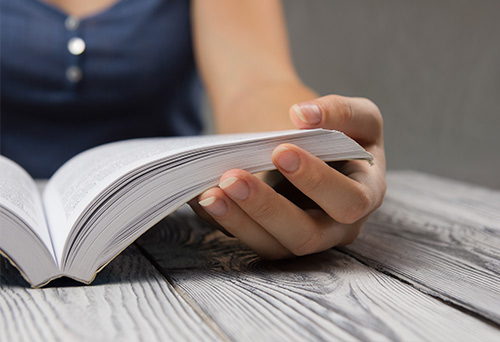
103, 199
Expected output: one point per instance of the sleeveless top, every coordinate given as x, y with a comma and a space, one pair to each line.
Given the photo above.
69, 84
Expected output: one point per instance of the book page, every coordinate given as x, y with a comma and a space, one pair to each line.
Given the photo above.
85, 182
20, 196
79, 182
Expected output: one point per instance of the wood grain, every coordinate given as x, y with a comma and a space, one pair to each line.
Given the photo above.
432, 238
324, 297
128, 301
441, 236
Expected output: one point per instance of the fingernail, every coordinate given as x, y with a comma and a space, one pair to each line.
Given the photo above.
235, 187
310, 113
214, 206
286, 159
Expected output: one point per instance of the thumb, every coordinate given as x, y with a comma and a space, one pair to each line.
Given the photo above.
359, 118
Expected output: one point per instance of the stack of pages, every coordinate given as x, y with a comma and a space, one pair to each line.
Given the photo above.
103, 199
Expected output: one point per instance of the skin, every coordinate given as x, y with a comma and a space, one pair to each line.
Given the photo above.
274, 226
242, 52
81, 8
243, 55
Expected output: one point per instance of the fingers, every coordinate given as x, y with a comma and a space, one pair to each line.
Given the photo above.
230, 216
342, 198
202, 213
359, 118
267, 222
275, 227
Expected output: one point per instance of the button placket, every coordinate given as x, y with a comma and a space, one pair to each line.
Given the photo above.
76, 47
74, 74
72, 23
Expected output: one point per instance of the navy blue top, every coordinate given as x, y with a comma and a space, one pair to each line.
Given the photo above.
70, 84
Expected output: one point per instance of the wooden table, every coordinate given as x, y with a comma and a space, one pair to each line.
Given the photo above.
425, 268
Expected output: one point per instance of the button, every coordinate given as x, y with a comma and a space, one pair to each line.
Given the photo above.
76, 46
72, 23
74, 74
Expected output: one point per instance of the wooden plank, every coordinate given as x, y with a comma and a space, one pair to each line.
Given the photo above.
467, 203
327, 296
128, 301
441, 236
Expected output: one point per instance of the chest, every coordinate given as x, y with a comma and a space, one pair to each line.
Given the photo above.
81, 8
133, 48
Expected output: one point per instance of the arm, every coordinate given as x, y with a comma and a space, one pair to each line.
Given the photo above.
242, 52
243, 56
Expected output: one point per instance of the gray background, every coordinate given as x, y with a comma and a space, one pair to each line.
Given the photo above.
433, 68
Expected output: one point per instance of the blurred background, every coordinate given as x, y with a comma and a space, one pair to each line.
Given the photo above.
432, 66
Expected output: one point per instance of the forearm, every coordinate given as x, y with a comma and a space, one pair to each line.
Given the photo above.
243, 55
263, 107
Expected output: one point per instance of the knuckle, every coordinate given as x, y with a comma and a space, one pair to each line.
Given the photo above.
378, 116
312, 243
264, 211
383, 191
313, 181
376, 113
343, 110
356, 208
338, 109
353, 235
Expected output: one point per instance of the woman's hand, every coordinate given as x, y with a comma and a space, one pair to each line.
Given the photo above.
337, 200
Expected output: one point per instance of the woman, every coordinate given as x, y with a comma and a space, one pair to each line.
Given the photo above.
79, 73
